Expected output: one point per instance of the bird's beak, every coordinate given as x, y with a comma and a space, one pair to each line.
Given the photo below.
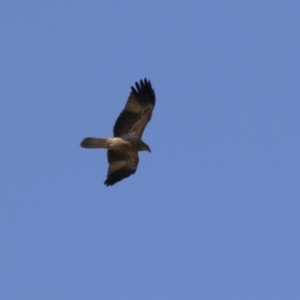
149, 150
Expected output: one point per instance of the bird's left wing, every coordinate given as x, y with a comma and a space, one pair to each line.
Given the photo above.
138, 110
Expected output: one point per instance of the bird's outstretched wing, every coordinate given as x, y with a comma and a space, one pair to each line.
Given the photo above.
137, 112
122, 164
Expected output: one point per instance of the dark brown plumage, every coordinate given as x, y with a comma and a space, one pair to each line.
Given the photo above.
123, 148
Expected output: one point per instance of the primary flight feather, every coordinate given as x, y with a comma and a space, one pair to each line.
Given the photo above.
123, 148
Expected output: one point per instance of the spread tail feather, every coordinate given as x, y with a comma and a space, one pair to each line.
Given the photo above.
90, 142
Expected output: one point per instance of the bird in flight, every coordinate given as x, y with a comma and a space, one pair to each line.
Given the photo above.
123, 148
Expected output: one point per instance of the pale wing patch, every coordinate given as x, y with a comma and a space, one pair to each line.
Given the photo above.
133, 105
113, 167
133, 160
130, 136
145, 117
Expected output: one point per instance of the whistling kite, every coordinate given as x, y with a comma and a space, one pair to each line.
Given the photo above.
123, 148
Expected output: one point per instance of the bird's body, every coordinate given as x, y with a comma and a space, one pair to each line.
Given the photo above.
123, 148
115, 143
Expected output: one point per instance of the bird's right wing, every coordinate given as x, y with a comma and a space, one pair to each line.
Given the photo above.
121, 165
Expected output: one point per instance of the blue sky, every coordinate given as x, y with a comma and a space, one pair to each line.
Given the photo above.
212, 212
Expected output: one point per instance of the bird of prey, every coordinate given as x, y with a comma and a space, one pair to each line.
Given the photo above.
123, 148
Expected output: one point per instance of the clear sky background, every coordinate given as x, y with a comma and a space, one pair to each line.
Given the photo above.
213, 212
